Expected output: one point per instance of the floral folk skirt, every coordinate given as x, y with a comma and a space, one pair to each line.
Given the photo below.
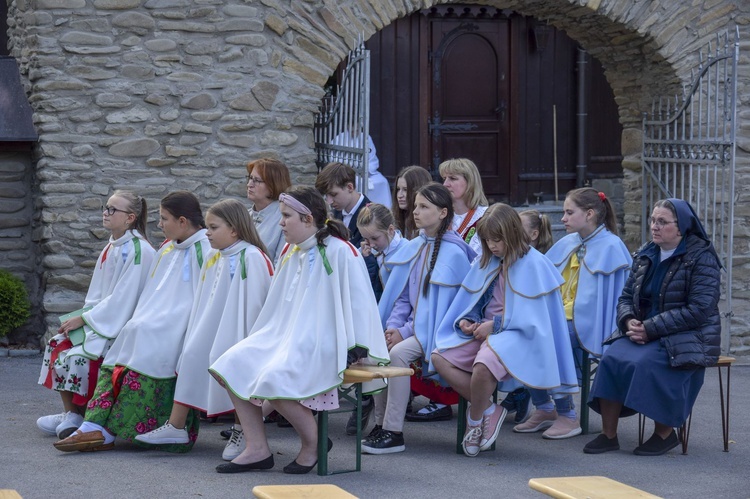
64, 373
128, 404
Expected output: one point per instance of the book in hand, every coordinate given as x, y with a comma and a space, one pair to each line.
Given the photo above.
75, 336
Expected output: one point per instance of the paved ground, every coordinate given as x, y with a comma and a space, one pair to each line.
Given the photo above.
429, 468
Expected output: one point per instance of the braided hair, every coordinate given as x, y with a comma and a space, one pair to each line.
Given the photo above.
439, 196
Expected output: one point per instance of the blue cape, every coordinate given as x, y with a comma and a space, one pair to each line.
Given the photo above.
533, 344
452, 264
604, 268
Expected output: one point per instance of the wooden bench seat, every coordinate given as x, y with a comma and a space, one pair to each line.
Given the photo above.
586, 487
322, 491
354, 377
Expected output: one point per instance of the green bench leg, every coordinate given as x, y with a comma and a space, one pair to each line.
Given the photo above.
585, 380
323, 431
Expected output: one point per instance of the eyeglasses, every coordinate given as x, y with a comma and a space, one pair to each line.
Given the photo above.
255, 180
110, 210
660, 222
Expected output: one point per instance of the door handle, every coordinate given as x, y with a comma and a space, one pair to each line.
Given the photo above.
500, 111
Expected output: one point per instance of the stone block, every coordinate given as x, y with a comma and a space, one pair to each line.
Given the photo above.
265, 92
276, 24
171, 129
188, 26
60, 4
134, 148
180, 151
240, 11
156, 99
84, 50
206, 115
117, 4
83, 38
62, 188
119, 130
13, 190
160, 44
252, 40
191, 140
184, 76
159, 162
272, 138
231, 54
170, 114
195, 128
137, 72
7, 222
135, 115
91, 73
200, 101
240, 25
59, 261
117, 100
236, 140
246, 102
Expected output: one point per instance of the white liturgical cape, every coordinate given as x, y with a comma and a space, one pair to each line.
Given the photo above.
231, 292
320, 305
119, 277
151, 341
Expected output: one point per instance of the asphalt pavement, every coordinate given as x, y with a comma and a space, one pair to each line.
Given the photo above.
430, 467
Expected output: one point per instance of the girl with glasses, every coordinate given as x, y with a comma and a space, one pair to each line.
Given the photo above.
73, 356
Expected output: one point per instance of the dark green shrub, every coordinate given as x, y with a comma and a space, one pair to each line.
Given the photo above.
14, 302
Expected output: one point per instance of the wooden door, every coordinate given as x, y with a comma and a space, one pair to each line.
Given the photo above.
470, 98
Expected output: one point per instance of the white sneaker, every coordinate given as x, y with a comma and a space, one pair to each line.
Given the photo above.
165, 434
235, 445
69, 424
48, 423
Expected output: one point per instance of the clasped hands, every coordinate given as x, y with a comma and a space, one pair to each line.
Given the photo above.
479, 330
70, 325
636, 332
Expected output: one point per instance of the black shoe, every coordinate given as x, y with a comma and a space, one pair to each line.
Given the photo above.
431, 412
509, 402
368, 403
376, 430
230, 467
522, 401
386, 442
281, 422
225, 434
656, 446
602, 444
294, 468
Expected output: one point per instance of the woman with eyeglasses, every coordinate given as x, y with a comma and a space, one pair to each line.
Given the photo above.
669, 332
266, 179
73, 356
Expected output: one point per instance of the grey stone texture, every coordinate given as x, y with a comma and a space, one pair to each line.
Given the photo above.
158, 95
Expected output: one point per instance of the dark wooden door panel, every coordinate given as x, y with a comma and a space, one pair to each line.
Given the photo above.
470, 97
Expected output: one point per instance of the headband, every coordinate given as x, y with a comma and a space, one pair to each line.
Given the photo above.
294, 204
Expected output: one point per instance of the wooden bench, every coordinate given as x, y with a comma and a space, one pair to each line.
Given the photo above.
684, 430
9, 494
354, 377
586, 487
322, 491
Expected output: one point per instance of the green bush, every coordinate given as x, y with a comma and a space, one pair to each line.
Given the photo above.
14, 302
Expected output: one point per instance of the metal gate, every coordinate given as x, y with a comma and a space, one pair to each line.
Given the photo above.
342, 127
689, 153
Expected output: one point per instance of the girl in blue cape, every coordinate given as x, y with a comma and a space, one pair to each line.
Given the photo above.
594, 263
425, 275
506, 322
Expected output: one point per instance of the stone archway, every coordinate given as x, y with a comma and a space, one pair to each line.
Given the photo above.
167, 94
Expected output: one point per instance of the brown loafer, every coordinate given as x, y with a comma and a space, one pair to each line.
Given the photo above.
80, 441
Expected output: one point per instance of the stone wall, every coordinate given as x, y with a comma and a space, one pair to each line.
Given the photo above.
157, 95
18, 252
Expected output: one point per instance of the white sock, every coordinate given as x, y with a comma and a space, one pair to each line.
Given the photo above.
89, 426
490, 410
473, 422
